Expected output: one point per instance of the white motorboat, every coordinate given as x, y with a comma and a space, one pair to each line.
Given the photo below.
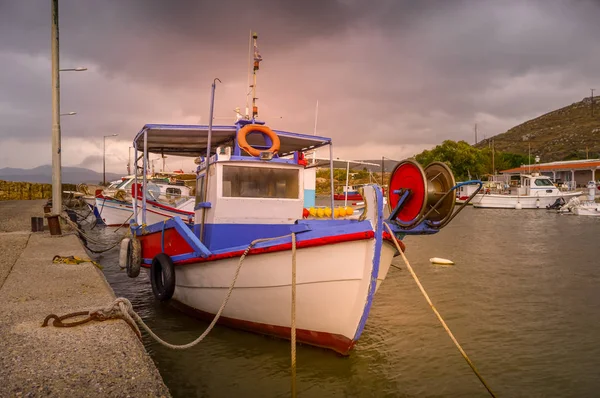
535, 192
588, 207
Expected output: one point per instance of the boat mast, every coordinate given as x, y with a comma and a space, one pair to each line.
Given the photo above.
314, 154
248, 74
257, 59
208, 150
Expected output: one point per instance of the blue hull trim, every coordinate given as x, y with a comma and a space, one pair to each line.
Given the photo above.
237, 237
376, 261
94, 210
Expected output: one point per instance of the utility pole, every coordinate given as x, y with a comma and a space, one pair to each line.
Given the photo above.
56, 145
493, 158
475, 133
382, 169
592, 90
529, 161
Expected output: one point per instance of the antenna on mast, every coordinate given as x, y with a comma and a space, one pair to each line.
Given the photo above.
316, 117
248, 74
257, 59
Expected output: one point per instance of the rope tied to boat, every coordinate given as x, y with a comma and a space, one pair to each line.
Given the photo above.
463, 353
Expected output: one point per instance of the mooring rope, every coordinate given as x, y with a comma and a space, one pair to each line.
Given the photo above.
110, 246
463, 353
122, 307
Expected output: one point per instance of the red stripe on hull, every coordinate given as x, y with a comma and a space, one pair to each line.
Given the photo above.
174, 244
336, 342
388, 237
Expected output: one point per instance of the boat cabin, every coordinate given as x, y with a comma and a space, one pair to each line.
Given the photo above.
535, 185
239, 196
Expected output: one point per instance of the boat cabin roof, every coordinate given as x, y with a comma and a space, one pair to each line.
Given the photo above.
340, 164
192, 140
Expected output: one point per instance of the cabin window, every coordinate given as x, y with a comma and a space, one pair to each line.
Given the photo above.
543, 183
260, 182
200, 189
174, 191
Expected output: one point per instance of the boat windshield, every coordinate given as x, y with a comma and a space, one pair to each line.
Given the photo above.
122, 184
543, 182
255, 182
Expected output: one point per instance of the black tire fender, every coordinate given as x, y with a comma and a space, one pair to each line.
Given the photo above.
162, 276
134, 258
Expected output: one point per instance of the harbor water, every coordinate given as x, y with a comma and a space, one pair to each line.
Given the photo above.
523, 299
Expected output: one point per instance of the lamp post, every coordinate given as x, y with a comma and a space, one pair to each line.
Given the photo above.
56, 136
78, 69
104, 157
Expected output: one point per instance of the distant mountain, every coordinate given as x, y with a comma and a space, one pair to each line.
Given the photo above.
43, 174
568, 133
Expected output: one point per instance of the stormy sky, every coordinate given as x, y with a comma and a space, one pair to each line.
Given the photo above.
392, 77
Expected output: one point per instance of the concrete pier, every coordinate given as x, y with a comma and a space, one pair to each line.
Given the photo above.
95, 359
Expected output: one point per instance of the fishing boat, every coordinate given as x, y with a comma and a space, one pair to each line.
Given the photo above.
464, 192
254, 249
341, 261
115, 207
535, 192
349, 192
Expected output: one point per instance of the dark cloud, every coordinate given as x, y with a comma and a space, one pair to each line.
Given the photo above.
387, 73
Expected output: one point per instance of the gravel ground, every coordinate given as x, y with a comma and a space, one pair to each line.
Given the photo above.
96, 359
15, 215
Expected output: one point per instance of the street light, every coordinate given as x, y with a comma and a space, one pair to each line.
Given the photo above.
68, 114
104, 157
78, 69
56, 135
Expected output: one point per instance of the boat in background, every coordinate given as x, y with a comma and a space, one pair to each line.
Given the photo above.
115, 207
535, 192
464, 192
348, 193
588, 207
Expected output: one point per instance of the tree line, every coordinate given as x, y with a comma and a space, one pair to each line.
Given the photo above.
465, 160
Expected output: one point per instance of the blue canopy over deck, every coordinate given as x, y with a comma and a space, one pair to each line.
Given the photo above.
192, 140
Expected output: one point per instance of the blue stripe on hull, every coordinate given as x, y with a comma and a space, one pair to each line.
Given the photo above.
376, 261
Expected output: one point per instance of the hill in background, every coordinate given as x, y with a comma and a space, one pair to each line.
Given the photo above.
567, 133
43, 174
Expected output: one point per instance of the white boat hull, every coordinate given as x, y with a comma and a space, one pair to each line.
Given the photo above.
587, 210
116, 213
331, 294
510, 201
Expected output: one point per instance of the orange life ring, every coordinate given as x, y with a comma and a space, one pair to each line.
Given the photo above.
247, 129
